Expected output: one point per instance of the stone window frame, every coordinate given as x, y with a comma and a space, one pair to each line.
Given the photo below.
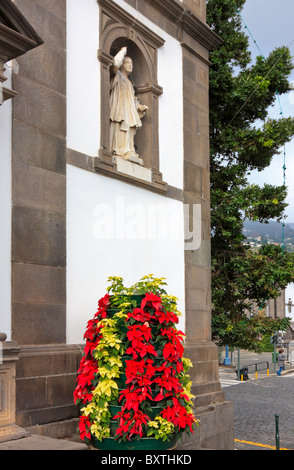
116, 24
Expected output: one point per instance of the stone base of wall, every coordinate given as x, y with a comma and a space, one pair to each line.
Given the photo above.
45, 381
67, 429
215, 430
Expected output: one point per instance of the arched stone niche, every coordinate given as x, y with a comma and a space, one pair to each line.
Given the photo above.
119, 29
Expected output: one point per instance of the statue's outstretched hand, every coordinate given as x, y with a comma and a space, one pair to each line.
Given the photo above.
119, 57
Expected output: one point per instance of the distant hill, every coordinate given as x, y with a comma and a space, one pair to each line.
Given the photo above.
271, 231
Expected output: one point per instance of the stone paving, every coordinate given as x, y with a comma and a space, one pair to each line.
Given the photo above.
256, 402
35, 442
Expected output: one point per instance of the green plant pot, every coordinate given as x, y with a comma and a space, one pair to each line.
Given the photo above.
114, 409
138, 299
155, 411
124, 359
113, 427
121, 381
111, 311
145, 443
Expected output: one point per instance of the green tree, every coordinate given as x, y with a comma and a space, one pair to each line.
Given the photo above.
244, 138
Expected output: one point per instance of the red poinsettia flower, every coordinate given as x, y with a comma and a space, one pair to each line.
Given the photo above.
82, 395
166, 317
139, 332
90, 330
139, 336
131, 424
84, 427
173, 333
173, 350
178, 415
140, 315
86, 373
134, 397
151, 300
103, 304
171, 384
139, 373
141, 349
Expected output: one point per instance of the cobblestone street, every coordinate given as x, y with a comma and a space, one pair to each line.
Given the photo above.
256, 402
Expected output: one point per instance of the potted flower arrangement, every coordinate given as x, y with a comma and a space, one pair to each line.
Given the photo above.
133, 387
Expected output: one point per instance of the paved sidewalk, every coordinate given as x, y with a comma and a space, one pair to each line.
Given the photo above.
256, 402
35, 442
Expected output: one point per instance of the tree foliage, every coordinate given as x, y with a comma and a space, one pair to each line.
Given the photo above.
243, 138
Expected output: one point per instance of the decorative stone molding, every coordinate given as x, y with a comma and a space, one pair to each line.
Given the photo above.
185, 24
130, 23
124, 171
117, 27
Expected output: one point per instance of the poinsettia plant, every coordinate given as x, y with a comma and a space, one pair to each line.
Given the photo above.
134, 360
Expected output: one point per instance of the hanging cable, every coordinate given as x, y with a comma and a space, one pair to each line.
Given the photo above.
281, 113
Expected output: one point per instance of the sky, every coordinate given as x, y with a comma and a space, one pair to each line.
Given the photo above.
270, 23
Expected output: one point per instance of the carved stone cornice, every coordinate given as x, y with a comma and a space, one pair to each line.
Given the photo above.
10, 351
104, 58
131, 22
188, 22
16, 38
154, 88
106, 165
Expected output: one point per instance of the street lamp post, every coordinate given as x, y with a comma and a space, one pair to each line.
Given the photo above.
227, 360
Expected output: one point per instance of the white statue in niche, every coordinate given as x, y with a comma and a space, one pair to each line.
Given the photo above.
125, 109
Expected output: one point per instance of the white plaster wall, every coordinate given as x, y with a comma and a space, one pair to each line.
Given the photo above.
133, 248
112, 229
83, 76
171, 143
5, 212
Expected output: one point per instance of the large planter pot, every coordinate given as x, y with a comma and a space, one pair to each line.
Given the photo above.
145, 443
159, 330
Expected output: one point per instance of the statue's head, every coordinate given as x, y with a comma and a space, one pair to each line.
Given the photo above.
127, 65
